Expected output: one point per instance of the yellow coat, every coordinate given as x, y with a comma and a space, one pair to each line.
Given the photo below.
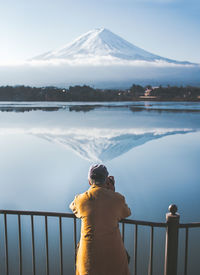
101, 250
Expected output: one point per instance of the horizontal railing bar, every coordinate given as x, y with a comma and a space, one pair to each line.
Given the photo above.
37, 213
69, 215
187, 225
154, 224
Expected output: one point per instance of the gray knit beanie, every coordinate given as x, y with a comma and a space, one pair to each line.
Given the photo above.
98, 172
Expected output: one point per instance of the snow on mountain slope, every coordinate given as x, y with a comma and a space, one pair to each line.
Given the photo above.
103, 44
103, 144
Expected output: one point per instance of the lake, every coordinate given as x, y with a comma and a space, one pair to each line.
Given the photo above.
152, 149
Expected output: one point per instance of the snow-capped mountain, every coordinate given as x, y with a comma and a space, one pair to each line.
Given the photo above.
103, 144
101, 59
105, 45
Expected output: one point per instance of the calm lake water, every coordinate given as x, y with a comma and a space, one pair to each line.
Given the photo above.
152, 149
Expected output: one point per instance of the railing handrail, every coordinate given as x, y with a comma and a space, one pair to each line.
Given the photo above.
38, 213
70, 215
145, 223
189, 225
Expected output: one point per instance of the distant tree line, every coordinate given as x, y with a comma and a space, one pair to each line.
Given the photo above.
185, 93
87, 93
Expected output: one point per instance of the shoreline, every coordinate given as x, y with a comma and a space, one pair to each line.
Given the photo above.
89, 94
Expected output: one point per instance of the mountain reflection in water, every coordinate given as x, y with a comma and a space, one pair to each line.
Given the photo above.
99, 145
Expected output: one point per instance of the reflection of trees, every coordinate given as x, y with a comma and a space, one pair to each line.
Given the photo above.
175, 92
82, 108
27, 109
160, 110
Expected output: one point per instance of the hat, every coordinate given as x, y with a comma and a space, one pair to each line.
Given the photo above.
98, 172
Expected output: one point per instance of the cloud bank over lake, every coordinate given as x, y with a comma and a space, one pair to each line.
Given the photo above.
119, 75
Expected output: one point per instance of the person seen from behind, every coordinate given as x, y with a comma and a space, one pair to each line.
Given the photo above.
101, 250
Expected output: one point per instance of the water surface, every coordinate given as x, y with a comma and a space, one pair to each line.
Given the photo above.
152, 149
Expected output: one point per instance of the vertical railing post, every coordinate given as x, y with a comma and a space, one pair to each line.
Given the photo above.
75, 242
171, 244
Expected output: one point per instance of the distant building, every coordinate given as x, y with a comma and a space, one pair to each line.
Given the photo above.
147, 92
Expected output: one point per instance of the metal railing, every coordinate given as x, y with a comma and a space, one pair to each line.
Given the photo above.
171, 225
32, 214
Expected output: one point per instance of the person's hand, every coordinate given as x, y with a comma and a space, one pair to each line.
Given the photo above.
110, 183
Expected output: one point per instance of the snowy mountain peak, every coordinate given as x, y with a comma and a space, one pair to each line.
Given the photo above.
101, 43
100, 30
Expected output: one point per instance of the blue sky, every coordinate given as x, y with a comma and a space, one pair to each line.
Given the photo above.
170, 28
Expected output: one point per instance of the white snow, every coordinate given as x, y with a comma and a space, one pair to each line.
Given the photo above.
102, 44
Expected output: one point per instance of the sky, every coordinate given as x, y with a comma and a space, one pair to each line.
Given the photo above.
169, 28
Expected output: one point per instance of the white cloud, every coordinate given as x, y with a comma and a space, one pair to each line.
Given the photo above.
95, 61
96, 71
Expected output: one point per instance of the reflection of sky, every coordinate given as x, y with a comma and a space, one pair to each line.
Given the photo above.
39, 175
